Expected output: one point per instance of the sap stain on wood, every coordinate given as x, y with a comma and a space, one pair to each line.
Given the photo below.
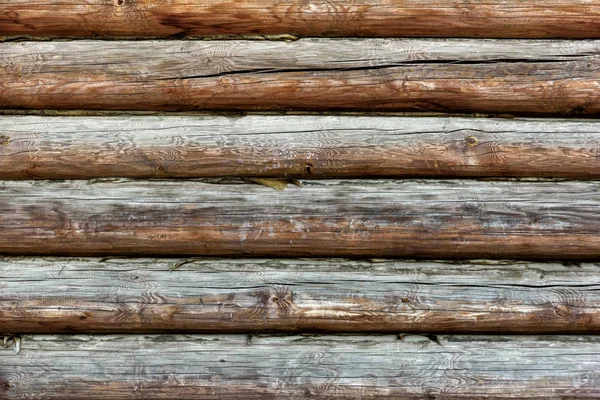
522, 77
295, 146
249, 295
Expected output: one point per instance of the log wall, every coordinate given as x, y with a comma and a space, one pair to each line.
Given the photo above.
84, 87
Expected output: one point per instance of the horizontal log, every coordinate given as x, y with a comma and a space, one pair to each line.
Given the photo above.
419, 18
248, 295
297, 367
295, 146
522, 77
447, 219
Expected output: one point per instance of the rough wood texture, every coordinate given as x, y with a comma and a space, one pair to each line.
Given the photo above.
295, 146
297, 367
143, 295
432, 219
526, 77
419, 18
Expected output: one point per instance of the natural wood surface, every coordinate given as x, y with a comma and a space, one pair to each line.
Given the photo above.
299, 367
254, 295
510, 76
420, 18
295, 146
426, 219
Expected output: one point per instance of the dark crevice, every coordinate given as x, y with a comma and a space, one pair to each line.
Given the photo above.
267, 71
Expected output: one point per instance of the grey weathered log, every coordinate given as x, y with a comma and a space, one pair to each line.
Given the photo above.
298, 367
362, 218
501, 76
223, 296
295, 146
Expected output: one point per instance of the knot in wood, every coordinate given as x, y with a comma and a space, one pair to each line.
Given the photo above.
563, 311
5, 384
472, 141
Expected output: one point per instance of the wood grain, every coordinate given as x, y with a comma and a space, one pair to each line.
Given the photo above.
426, 219
298, 367
417, 18
295, 146
255, 295
510, 76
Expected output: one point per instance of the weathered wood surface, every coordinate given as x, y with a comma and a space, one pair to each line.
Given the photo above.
430, 219
295, 146
419, 18
248, 295
298, 367
525, 77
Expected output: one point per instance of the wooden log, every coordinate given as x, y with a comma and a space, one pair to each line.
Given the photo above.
417, 18
298, 367
295, 146
249, 295
524, 77
431, 219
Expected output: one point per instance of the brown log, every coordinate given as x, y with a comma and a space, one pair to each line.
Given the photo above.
254, 295
417, 18
431, 219
241, 367
295, 146
522, 77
